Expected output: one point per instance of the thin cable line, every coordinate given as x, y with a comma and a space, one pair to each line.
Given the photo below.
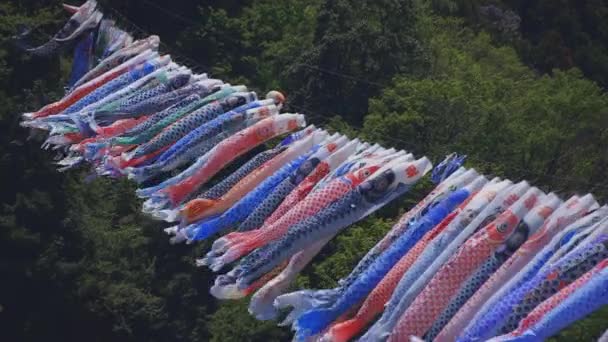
171, 49
171, 13
445, 150
339, 74
306, 65
324, 119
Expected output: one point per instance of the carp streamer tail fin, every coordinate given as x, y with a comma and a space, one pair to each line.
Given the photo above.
345, 331
300, 302
313, 322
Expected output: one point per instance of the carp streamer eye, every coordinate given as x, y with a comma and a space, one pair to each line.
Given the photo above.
384, 182
366, 187
376, 188
515, 241
241, 100
381, 184
502, 227
234, 101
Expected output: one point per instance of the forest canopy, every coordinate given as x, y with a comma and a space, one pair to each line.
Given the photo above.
518, 86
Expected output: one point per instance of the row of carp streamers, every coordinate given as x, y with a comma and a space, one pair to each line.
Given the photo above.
476, 259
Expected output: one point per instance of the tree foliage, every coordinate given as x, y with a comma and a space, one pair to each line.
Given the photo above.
357, 47
501, 84
483, 100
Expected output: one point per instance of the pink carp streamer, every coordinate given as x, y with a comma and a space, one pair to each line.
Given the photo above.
433, 299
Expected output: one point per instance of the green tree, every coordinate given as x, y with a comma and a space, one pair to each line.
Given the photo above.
79, 259
483, 101
564, 34
357, 47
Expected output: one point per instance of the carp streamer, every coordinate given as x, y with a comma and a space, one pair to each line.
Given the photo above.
476, 259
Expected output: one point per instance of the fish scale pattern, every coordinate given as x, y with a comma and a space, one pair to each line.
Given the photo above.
475, 316
554, 301
197, 150
197, 136
155, 118
112, 86
113, 102
300, 192
249, 261
197, 153
173, 132
199, 107
591, 296
267, 207
127, 104
242, 243
181, 157
274, 199
563, 274
472, 284
483, 273
423, 311
239, 211
300, 235
119, 57
309, 206
397, 230
153, 104
381, 266
495, 317
104, 66
200, 141
161, 124
78, 93
401, 297
230, 122
225, 153
375, 301
222, 187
